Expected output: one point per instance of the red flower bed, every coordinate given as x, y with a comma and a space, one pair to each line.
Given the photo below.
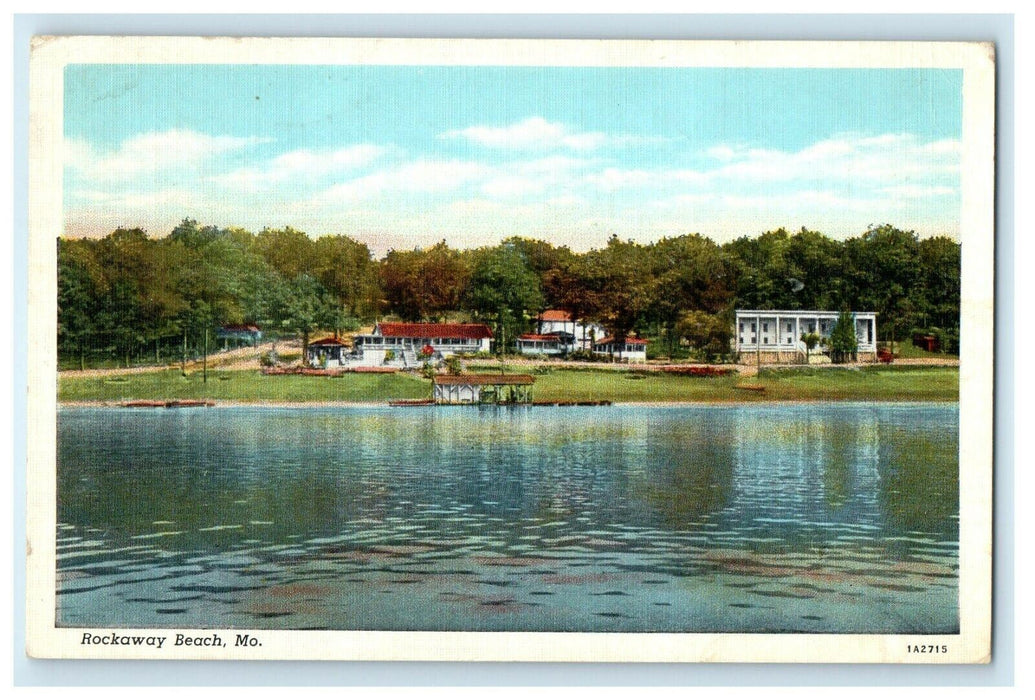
698, 370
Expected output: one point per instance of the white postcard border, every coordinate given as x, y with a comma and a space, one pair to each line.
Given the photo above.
52, 54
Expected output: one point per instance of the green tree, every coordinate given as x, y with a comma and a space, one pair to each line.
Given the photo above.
691, 275
424, 284
621, 280
80, 289
811, 340
504, 291
884, 275
940, 259
710, 334
843, 342
347, 271
305, 307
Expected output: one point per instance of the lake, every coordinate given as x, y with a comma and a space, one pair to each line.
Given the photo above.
817, 517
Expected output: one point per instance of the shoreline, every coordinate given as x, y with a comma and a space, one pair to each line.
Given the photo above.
384, 404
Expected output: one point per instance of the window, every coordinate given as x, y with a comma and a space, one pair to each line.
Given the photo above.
742, 328
789, 328
765, 340
752, 339
789, 341
753, 329
765, 327
741, 340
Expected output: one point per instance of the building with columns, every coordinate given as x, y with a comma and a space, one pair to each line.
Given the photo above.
775, 336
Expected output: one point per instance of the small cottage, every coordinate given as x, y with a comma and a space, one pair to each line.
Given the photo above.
630, 350
558, 343
327, 352
234, 336
582, 332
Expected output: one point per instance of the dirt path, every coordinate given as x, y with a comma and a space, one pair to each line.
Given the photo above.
237, 359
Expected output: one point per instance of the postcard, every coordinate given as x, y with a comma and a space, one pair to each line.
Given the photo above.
510, 350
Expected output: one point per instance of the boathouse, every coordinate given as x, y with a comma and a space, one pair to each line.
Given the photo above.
483, 388
775, 336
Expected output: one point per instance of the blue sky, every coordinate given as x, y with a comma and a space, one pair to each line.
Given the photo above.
402, 156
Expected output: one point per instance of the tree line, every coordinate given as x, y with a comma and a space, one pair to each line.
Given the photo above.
133, 297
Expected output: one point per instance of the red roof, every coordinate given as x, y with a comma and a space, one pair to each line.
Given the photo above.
628, 341
238, 327
467, 331
555, 315
327, 341
536, 336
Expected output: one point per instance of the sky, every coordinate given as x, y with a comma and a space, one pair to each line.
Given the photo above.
405, 156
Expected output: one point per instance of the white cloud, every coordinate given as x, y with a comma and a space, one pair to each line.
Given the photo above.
151, 153
611, 179
886, 158
538, 134
420, 176
302, 164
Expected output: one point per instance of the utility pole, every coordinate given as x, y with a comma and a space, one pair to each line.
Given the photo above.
204, 361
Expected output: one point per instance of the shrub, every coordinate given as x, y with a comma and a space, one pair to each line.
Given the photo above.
454, 366
843, 343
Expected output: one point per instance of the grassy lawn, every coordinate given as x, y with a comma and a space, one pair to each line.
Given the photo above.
877, 383
242, 386
908, 350
833, 384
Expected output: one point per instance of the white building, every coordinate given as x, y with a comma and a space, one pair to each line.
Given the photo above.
775, 336
406, 344
633, 349
557, 343
558, 321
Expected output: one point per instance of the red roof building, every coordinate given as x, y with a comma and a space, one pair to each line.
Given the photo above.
407, 340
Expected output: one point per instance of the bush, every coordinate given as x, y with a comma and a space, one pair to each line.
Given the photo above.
454, 366
268, 359
587, 356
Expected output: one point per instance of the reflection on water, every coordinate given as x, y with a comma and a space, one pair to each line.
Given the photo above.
812, 517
